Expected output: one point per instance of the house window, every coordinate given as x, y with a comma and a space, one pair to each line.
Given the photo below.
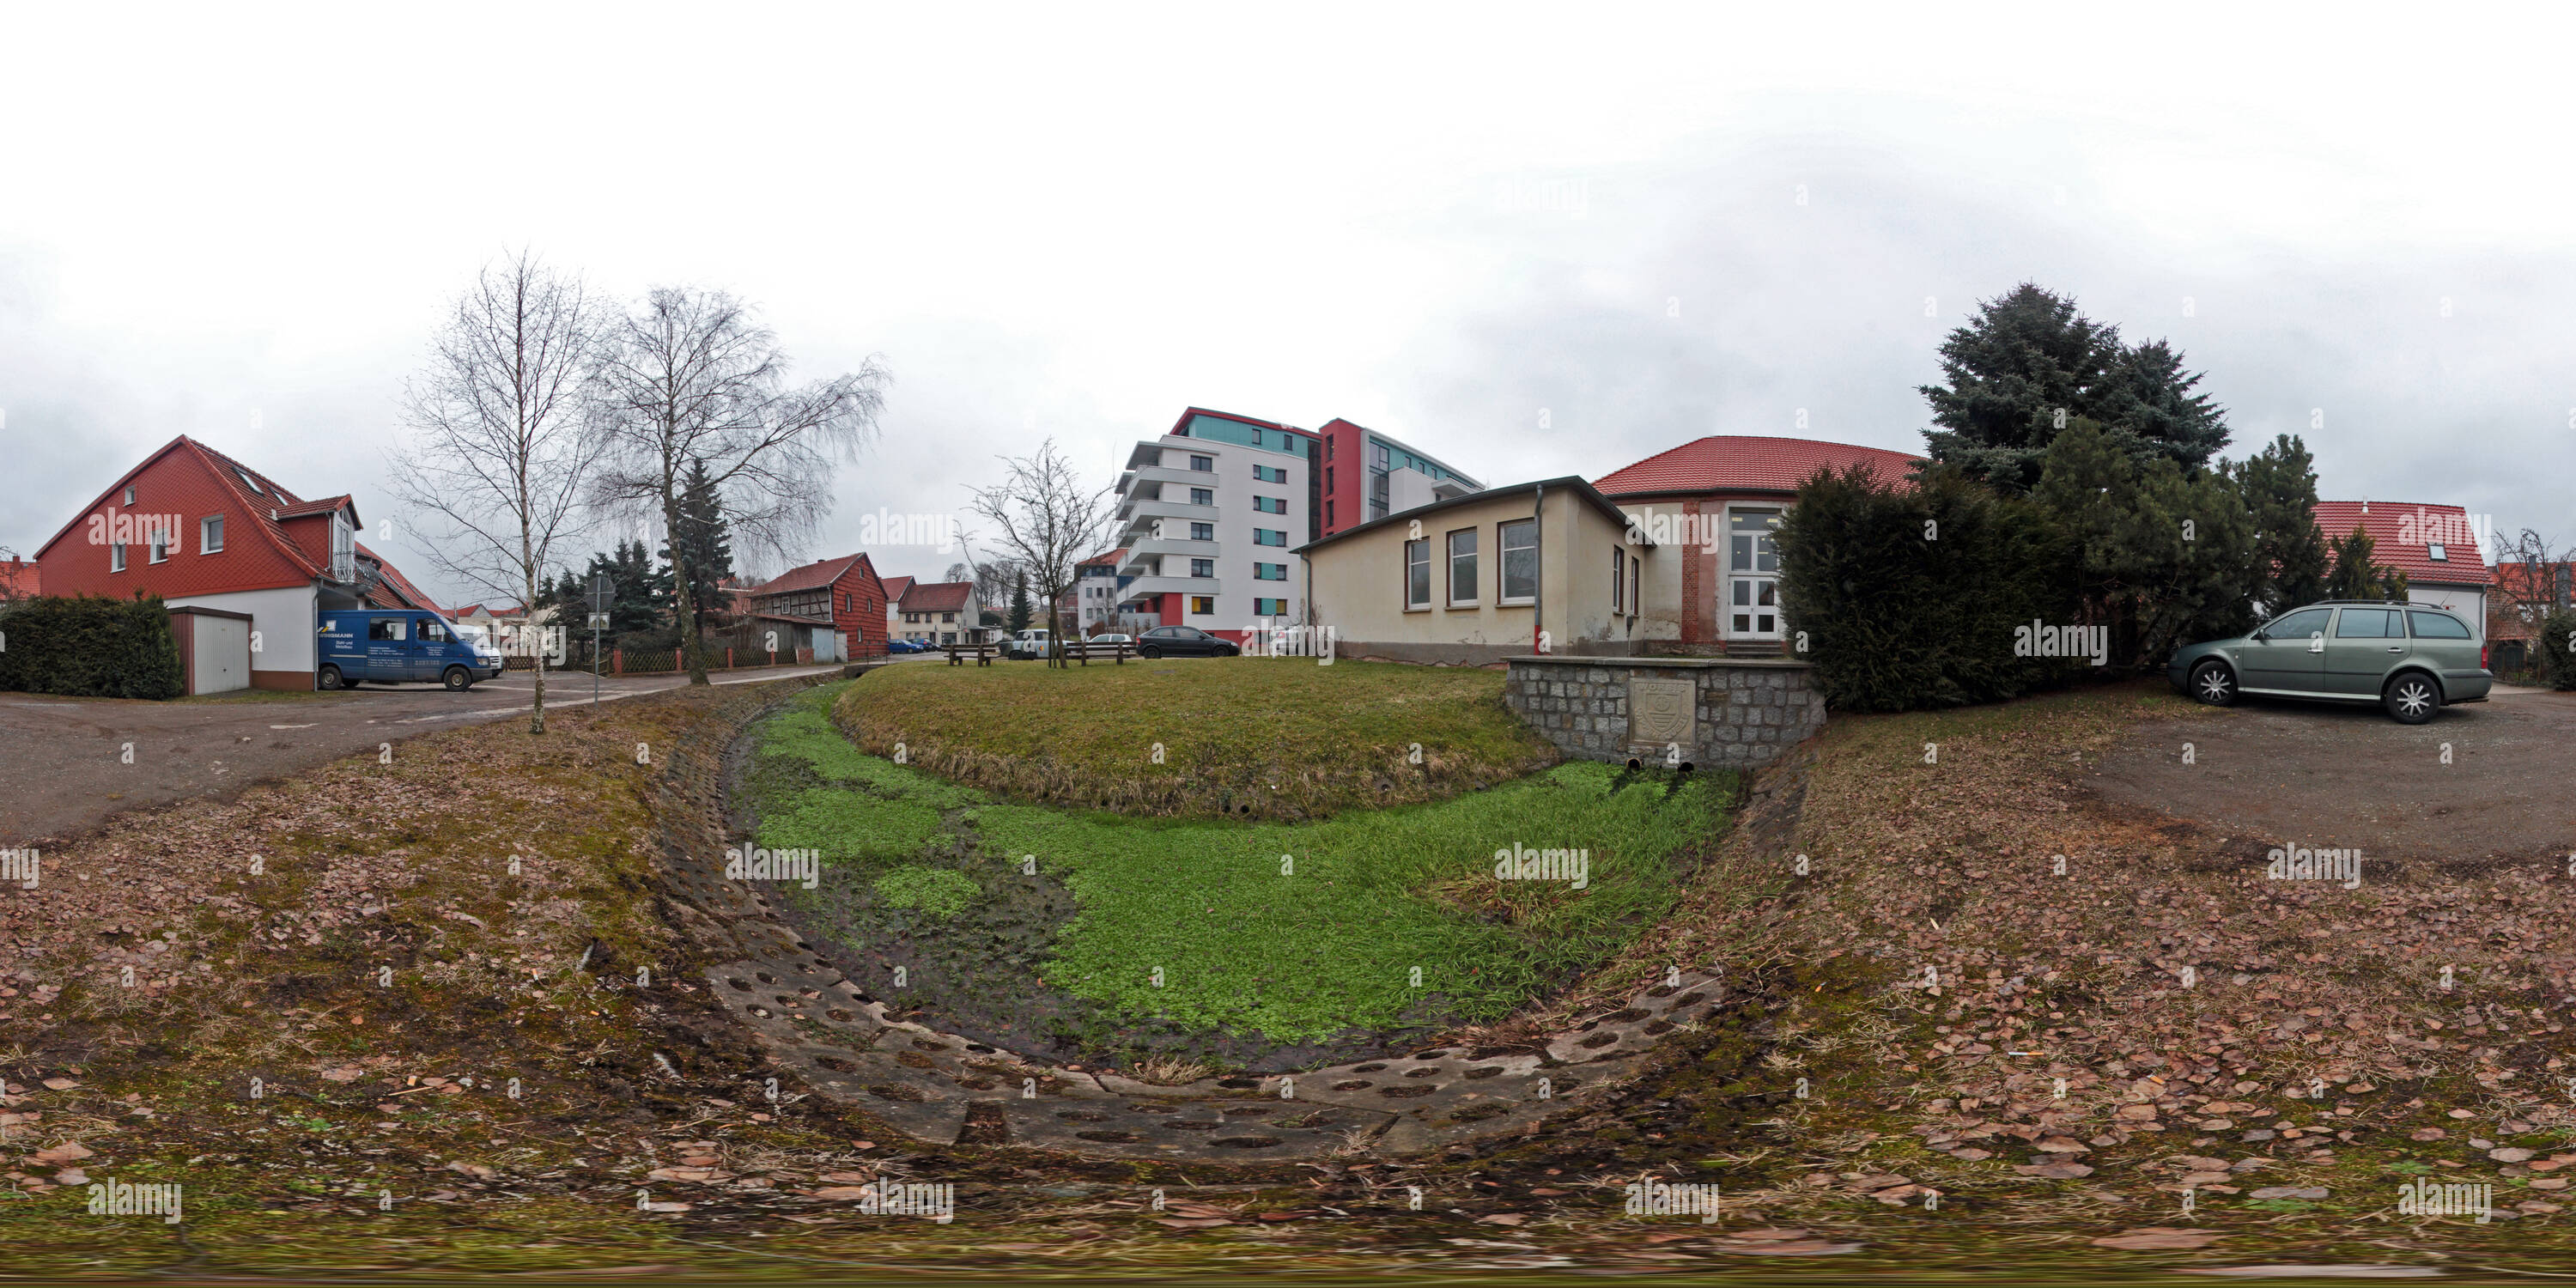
1462, 568
129, 496
1753, 574
1618, 580
1202, 532
1636, 594
1328, 511
1417, 573
1269, 537
948, 617
1270, 504
1202, 496
210, 534
1203, 464
1203, 605
1203, 567
1270, 473
158, 546
1520, 562
344, 549
238, 472
1269, 572
116, 558
1270, 608
2438, 553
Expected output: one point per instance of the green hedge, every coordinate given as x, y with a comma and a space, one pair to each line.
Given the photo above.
2556, 659
1905, 593
90, 647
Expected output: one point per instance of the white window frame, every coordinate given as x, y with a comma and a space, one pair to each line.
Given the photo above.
156, 546
1503, 563
1422, 605
1449, 567
116, 557
210, 535
1618, 582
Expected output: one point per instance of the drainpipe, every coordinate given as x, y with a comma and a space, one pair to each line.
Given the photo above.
1538, 574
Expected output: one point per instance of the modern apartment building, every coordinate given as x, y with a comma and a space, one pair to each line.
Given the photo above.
1208, 513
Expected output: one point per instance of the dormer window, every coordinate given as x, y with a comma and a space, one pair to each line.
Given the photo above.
2437, 552
244, 476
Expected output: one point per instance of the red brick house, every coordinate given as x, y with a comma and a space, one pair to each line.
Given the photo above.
1713, 503
20, 579
200, 529
837, 605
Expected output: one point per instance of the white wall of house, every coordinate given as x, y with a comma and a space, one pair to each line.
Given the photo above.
2468, 602
282, 625
1232, 591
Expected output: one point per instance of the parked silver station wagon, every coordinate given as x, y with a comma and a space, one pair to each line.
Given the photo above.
2410, 659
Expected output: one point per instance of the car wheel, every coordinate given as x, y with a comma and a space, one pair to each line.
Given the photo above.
2411, 698
333, 680
459, 679
1150, 651
2213, 684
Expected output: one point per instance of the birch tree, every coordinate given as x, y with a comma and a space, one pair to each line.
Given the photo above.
690, 379
500, 452
1045, 521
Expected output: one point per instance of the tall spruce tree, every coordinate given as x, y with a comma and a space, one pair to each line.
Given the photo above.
1021, 609
705, 543
2030, 364
2163, 558
2279, 485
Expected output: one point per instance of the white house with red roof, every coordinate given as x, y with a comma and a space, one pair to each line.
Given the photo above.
202, 530
2438, 547
939, 612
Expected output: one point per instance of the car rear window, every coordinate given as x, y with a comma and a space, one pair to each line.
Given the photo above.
2437, 626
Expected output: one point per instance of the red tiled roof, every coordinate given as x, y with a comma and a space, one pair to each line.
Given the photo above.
936, 597
1747, 463
895, 586
404, 594
1111, 558
2401, 534
809, 577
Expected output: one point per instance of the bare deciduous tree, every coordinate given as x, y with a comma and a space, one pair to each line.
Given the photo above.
500, 450
1047, 522
690, 377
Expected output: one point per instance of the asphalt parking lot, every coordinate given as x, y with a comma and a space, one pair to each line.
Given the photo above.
2332, 775
64, 759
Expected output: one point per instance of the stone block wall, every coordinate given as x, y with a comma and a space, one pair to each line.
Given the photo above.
1736, 712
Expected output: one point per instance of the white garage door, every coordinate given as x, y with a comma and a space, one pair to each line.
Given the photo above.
222, 650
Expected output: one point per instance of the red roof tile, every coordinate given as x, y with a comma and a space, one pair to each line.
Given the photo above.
895, 586
936, 597
809, 577
1747, 463
2402, 533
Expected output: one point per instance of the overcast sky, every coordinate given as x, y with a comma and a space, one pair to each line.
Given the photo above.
1531, 241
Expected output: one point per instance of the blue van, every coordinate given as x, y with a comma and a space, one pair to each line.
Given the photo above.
396, 645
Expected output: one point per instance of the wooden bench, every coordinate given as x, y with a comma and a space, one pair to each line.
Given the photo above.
982, 653
1083, 651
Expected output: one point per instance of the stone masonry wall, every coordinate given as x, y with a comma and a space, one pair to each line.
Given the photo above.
1737, 712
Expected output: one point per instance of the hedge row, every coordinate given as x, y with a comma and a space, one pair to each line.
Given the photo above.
90, 647
1906, 594
2556, 661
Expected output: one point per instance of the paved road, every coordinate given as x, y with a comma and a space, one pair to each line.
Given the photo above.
2278, 772
62, 760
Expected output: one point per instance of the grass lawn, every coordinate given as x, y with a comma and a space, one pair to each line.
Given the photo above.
1095, 925
1242, 737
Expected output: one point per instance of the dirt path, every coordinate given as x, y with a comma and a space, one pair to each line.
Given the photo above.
67, 762
2330, 776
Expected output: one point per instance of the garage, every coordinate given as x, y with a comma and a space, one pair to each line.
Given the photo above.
214, 648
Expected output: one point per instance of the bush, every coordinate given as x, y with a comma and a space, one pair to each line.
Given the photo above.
91, 647
2555, 660
1905, 593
